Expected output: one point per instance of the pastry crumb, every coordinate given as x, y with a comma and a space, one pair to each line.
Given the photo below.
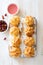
2, 17
5, 14
5, 38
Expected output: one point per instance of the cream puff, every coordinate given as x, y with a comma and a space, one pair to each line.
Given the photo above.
15, 21
14, 51
29, 41
29, 31
14, 31
29, 52
16, 41
29, 20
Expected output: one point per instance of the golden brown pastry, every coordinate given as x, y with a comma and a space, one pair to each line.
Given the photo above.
29, 31
14, 31
14, 51
15, 21
29, 52
29, 20
29, 41
16, 41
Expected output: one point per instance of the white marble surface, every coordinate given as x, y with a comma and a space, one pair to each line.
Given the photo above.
27, 7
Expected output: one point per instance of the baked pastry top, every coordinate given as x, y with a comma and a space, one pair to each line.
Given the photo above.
29, 52
14, 51
15, 21
14, 31
16, 41
29, 20
29, 41
29, 31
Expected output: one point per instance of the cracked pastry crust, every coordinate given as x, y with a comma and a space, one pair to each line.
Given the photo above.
14, 51
29, 41
29, 52
14, 31
29, 31
15, 21
29, 20
16, 41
